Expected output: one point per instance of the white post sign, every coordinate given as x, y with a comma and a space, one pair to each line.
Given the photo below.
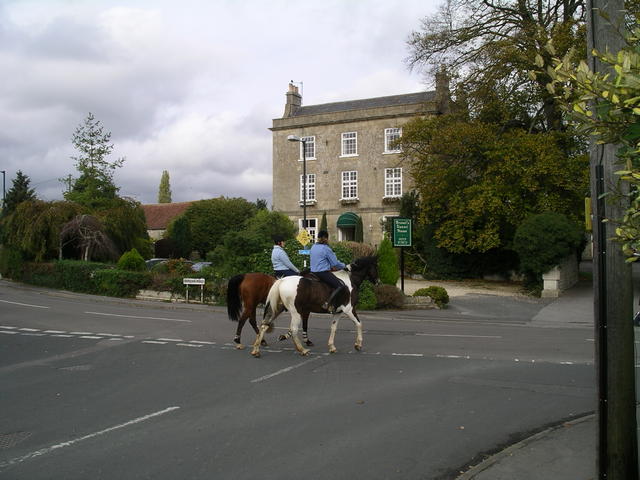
194, 281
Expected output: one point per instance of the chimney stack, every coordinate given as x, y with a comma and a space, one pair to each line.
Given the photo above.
443, 95
294, 101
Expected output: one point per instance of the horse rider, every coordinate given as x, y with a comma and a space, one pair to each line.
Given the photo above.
323, 262
282, 266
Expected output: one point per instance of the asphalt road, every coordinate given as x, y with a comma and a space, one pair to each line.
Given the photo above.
101, 388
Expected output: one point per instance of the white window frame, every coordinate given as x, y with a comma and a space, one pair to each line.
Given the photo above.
390, 136
312, 227
392, 182
349, 185
311, 188
349, 140
310, 142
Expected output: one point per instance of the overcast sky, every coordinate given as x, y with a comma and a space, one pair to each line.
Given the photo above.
186, 86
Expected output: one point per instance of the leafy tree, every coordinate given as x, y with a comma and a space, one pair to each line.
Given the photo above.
476, 183
488, 47
34, 228
94, 187
179, 232
211, 219
607, 106
126, 225
261, 204
18, 193
164, 190
388, 269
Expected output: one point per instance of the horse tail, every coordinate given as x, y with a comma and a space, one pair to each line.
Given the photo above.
273, 305
234, 302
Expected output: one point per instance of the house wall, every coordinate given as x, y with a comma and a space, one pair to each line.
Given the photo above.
328, 165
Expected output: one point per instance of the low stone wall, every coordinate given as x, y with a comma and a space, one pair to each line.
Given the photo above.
560, 278
418, 303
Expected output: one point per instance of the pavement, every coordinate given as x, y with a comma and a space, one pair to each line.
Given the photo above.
563, 452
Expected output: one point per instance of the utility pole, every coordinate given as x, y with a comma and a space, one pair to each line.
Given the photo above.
612, 281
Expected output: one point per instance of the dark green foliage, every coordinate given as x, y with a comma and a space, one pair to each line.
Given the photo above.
212, 219
261, 204
343, 252
323, 221
438, 294
164, 190
77, 276
18, 193
358, 235
120, 283
388, 269
179, 233
132, 261
542, 241
41, 274
366, 297
389, 296
11, 262
126, 225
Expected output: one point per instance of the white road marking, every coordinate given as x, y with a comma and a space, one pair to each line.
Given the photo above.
188, 345
202, 342
135, 316
154, 342
81, 333
462, 336
466, 357
407, 354
23, 304
170, 339
109, 334
29, 329
9, 332
284, 370
55, 331
91, 337
29, 334
47, 450
6, 326
62, 335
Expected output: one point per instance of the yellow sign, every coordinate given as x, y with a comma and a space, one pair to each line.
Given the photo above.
303, 237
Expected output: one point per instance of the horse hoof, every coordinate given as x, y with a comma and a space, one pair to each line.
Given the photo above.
255, 354
282, 337
239, 346
333, 349
305, 352
358, 347
308, 343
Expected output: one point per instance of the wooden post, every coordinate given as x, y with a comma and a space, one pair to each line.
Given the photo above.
612, 282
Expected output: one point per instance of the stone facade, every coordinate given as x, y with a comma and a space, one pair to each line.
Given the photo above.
352, 170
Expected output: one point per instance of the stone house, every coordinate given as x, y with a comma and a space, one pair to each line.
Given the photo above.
353, 170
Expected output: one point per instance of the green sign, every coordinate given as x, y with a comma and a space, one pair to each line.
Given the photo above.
401, 232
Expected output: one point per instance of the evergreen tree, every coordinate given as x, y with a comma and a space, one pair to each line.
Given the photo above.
18, 193
358, 236
94, 187
164, 191
323, 222
388, 269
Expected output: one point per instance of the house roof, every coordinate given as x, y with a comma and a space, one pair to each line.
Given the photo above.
391, 101
158, 215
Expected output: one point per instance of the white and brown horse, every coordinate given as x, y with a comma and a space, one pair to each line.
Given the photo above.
302, 296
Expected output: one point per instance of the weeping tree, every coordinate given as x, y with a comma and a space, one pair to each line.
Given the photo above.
87, 233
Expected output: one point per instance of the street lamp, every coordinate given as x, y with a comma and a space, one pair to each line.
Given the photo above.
4, 173
294, 138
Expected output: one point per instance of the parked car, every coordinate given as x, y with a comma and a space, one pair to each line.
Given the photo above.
200, 265
154, 261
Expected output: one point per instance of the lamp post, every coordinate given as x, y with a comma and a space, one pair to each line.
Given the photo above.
294, 138
4, 173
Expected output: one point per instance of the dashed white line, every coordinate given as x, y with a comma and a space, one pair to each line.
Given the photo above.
188, 345
55, 331
45, 451
81, 333
138, 317
202, 342
30, 334
170, 339
23, 304
284, 370
91, 337
29, 329
60, 335
155, 342
9, 332
407, 354
6, 326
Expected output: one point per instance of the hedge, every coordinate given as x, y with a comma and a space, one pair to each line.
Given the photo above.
120, 283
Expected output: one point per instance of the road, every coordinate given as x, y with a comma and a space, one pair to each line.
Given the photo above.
104, 388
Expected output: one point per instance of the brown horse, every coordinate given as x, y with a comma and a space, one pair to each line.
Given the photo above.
302, 296
244, 293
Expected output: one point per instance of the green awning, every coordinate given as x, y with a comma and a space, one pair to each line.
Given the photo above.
348, 219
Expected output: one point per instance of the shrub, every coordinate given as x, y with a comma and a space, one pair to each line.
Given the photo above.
132, 261
366, 297
41, 274
542, 241
388, 269
438, 294
120, 283
11, 263
77, 275
389, 296
361, 249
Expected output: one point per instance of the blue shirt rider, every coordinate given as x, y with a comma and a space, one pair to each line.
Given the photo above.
323, 262
282, 266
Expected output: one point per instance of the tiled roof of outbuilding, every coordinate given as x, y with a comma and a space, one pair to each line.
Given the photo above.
393, 100
158, 215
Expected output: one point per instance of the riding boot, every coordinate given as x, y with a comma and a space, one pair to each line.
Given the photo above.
329, 304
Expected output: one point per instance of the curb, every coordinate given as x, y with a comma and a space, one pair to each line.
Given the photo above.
509, 451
